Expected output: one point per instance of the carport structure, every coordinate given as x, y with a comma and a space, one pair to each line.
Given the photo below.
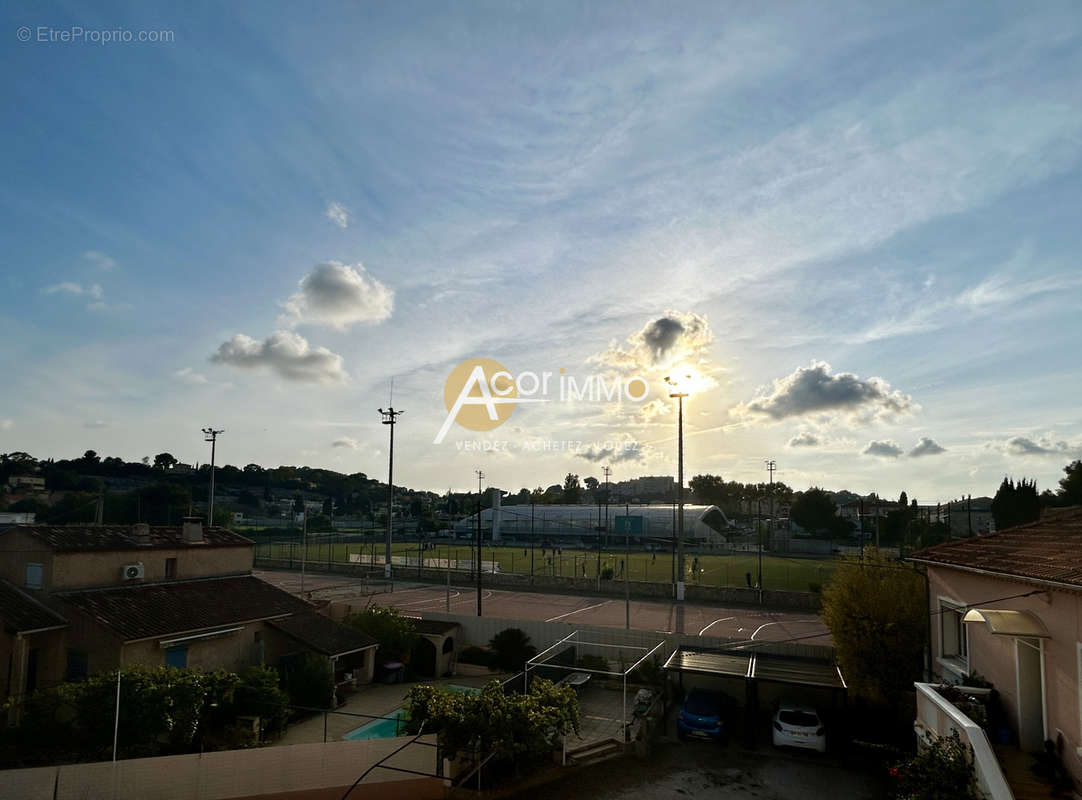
808, 668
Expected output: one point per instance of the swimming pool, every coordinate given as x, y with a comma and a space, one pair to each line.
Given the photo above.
394, 724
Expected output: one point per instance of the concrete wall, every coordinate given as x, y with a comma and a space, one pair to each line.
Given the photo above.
994, 656
796, 601
256, 772
83, 570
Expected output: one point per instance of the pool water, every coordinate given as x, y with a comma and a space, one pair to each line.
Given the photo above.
395, 723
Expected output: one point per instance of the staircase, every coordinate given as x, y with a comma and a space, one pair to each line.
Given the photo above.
595, 752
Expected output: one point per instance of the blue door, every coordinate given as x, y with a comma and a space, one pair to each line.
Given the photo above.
176, 656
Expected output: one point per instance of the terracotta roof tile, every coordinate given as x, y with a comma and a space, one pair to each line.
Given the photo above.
323, 634
80, 538
163, 609
22, 612
1047, 550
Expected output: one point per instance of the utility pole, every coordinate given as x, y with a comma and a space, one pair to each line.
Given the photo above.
674, 392
304, 538
480, 477
531, 536
608, 472
969, 514
771, 465
627, 564
211, 435
390, 417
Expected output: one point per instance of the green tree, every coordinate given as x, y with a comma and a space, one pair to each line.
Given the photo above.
814, 510
309, 680
164, 461
511, 649
1015, 503
1070, 486
259, 695
572, 488
875, 610
395, 633
521, 730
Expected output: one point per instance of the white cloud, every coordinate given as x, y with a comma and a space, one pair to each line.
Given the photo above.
883, 449
814, 390
284, 352
338, 214
926, 447
190, 376
338, 295
101, 260
92, 291
804, 439
347, 441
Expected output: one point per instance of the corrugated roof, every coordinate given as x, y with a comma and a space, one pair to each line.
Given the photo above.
21, 612
757, 666
323, 634
705, 662
80, 538
163, 609
1047, 550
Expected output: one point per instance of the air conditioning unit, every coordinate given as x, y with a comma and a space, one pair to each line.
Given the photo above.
133, 572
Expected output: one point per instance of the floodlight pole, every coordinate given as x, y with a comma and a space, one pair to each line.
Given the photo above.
480, 477
679, 532
627, 565
390, 417
771, 465
211, 435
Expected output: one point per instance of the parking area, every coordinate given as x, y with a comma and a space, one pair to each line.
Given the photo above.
720, 772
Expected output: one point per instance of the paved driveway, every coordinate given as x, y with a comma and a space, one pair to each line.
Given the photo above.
694, 769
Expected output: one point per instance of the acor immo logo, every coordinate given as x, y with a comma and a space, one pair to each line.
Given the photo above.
480, 394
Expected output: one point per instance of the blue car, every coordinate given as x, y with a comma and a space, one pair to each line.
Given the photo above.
701, 715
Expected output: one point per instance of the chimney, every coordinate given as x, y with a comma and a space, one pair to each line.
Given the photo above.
192, 529
141, 533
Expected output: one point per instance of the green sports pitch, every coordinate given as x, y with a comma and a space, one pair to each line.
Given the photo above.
705, 569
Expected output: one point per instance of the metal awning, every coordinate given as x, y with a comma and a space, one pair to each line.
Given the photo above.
794, 670
701, 662
1002, 622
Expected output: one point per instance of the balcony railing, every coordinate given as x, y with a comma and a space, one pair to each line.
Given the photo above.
938, 716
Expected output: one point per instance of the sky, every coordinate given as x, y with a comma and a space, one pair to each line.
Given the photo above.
855, 225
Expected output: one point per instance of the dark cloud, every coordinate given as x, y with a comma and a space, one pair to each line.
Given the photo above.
811, 390
615, 454
926, 447
675, 337
346, 441
284, 352
883, 449
804, 439
1023, 446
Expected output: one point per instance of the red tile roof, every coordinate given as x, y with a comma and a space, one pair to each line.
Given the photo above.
80, 538
1047, 550
164, 609
21, 612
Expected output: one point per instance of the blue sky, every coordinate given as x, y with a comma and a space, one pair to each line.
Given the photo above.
888, 190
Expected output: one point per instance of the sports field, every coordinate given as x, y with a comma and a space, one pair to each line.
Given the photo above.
707, 569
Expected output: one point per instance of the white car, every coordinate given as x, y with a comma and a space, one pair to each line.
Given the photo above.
799, 726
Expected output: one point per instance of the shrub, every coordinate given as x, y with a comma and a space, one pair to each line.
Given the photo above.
942, 769
259, 695
309, 681
511, 649
395, 633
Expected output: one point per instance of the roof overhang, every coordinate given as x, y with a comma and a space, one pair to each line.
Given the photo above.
1003, 622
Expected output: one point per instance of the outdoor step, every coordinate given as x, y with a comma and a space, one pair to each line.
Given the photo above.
594, 753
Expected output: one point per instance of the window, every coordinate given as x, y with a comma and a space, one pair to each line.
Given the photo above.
170, 568
34, 576
953, 636
176, 657
77, 665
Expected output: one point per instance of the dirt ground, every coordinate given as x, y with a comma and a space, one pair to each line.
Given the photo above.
698, 769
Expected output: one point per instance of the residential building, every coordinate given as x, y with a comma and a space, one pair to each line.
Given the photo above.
26, 483
81, 599
1009, 607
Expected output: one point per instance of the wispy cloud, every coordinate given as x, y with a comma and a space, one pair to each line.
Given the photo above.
6, 424
347, 441
100, 260
338, 214
190, 376
1041, 446
96, 424
93, 290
